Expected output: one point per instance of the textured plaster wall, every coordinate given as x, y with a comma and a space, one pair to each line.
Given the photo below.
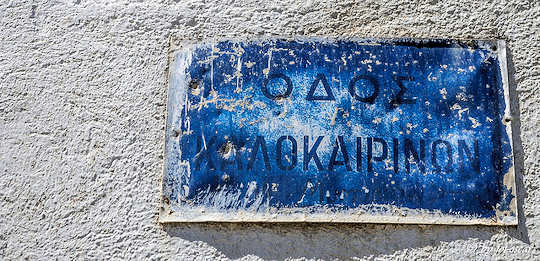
82, 106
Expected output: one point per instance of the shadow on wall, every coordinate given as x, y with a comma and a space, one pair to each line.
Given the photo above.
323, 241
345, 241
519, 232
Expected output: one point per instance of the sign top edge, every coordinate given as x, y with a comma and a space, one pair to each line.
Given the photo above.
179, 43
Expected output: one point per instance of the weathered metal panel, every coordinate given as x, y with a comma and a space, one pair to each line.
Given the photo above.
317, 130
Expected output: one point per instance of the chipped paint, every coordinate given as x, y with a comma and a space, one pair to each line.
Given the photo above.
385, 131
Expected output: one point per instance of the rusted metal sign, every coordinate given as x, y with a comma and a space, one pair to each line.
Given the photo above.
313, 130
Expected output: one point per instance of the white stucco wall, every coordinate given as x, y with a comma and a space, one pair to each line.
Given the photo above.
82, 116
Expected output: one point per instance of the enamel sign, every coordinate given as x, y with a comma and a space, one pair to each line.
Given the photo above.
318, 130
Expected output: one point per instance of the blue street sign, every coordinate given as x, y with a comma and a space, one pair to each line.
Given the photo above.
399, 131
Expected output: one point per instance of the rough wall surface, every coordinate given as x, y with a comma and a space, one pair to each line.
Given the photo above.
82, 107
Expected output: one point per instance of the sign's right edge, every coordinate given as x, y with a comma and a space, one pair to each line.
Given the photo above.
507, 217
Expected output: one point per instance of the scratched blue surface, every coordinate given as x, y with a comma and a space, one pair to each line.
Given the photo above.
407, 123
